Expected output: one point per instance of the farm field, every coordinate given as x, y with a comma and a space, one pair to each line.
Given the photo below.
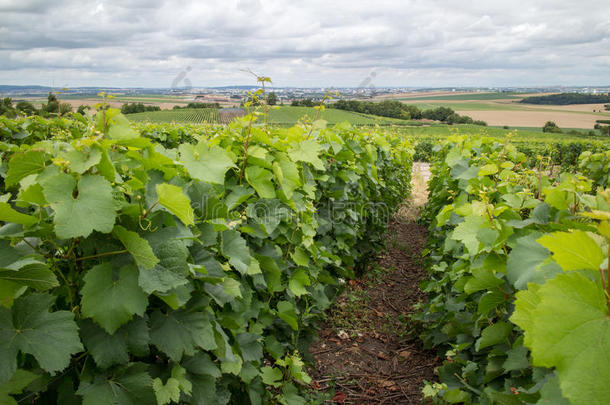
496, 132
287, 115
283, 115
194, 115
465, 96
564, 119
499, 109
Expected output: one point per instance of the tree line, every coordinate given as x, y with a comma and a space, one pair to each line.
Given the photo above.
134, 108
396, 109
567, 98
198, 105
52, 108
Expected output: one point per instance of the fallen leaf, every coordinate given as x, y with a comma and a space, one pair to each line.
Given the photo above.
387, 384
405, 354
343, 335
383, 356
340, 397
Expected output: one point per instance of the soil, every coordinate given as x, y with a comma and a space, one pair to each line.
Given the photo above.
368, 352
566, 119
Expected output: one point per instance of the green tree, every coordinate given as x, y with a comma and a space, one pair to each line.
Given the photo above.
551, 127
26, 107
6, 107
272, 99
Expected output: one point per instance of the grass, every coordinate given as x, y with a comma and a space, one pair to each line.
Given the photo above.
286, 115
442, 131
470, 96
353, 314
482, 106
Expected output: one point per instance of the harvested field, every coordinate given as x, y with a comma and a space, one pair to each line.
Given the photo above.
534, 118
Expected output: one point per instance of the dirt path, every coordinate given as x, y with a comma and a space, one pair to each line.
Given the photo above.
366, 353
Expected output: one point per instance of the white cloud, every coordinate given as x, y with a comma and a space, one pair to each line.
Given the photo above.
310, 42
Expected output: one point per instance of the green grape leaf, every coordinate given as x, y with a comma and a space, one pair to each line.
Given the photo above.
24, 164
204, 390
208, 164
138, 247
466, 232
516, 359
172, 269
556, 198
482, 278
235, 249
488, 169
307, 151
287, 173
569, 329
291, 396
168, 392
573, 250
525, 304
81, 161
36, 275
124, 386
260, 179
201, 364
232, 287
93, 209
272, 376
174, 200
250, 346
108, 350
526, 262
490, 301
287, 312
550, 393
179, 374
493, 334
112, 301
122, 132
298, 282
29, 327
179, 333
18, 381
238, 195
8, 214
272, 272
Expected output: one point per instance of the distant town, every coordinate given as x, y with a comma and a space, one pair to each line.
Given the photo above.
226, 95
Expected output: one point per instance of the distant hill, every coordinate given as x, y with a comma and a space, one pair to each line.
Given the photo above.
567, 98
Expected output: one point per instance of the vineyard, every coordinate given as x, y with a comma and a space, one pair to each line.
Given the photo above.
191, 115
519, 276
281, 115
147, 263
134, 273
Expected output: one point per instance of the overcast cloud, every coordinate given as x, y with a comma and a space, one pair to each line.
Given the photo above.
305, 43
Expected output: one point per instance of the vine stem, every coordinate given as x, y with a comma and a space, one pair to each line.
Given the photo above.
608, 281
246, 143
149, 210
115, 252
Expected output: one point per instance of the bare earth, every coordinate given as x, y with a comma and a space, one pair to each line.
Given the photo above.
367, 352
534, 118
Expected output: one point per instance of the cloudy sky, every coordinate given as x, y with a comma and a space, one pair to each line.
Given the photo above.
416, 43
